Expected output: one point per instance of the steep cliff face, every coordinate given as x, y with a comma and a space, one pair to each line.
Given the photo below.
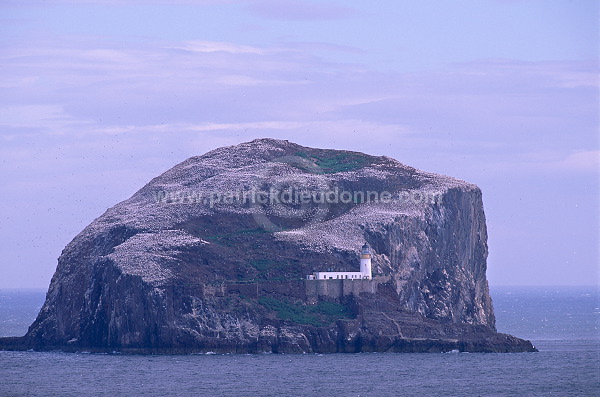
210, 256
441, 272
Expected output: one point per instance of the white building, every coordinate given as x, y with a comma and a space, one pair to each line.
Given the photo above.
364, 274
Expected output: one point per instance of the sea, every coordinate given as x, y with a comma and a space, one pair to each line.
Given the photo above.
562, 322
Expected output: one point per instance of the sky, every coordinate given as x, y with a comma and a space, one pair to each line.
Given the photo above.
100, 96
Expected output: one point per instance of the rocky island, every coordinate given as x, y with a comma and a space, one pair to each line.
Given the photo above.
214, 254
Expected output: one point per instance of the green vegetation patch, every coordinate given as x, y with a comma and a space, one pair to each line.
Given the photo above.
323, 313
274, 270
335, 161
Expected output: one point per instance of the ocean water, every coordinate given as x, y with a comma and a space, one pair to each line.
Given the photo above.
563, 323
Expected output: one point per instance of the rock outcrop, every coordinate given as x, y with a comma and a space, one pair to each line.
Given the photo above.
212, 256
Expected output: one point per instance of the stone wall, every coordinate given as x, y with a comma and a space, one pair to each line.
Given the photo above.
335, 289
311, 290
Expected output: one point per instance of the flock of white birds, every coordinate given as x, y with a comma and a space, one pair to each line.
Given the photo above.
200, 186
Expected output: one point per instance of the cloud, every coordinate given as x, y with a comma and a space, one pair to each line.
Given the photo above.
174, 92
219, 82
34, 118
214, 46
566, 74
296, 10
335, 127
580, 161
320, 46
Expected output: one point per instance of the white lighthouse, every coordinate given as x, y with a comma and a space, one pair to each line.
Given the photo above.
365, 261
364, 274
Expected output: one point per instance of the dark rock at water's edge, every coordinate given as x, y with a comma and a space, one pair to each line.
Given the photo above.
190, 263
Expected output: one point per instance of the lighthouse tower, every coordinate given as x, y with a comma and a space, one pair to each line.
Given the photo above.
365, 261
